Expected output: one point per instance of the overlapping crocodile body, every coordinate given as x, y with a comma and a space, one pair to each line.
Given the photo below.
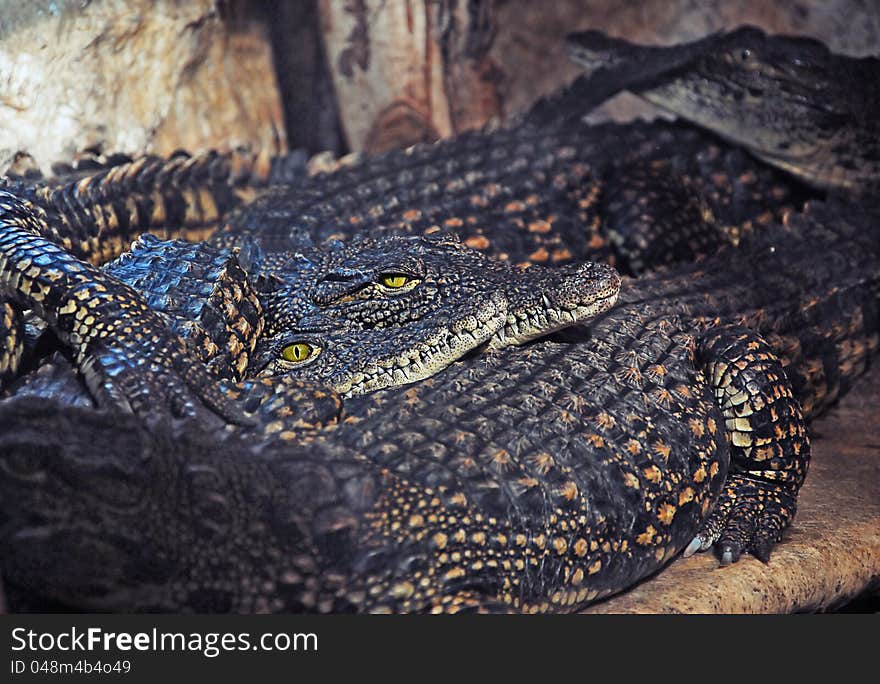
634, 196
528, 479
96, 216
527, 195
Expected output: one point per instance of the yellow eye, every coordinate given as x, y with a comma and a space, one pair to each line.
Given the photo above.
394, 280
298, 352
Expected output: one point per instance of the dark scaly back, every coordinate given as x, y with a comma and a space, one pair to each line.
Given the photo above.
814, 294
530, 194
828, 342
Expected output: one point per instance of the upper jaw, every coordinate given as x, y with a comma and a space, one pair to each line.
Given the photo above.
563, 299
632, 65
525, 325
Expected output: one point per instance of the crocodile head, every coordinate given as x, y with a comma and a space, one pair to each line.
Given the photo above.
788, 99
377, 313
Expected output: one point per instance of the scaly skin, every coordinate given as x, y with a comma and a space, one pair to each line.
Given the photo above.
789, 100
203, 295
569, 469
127, 356
529, 195
95, 217
362, 335
635, 196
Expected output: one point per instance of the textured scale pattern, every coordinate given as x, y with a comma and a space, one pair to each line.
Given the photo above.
532, 479
206, 294
551, 195
96, 216
535, 195
101, 319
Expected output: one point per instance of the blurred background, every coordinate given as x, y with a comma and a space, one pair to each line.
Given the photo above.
139, 76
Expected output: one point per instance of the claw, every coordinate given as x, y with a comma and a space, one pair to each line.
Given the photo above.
730, 553
695, 545
761, 550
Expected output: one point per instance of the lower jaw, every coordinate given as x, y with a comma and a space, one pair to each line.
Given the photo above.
426, 370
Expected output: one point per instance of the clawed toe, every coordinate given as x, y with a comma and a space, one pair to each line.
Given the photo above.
748, 518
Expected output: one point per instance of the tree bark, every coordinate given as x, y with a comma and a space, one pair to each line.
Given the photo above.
410, 71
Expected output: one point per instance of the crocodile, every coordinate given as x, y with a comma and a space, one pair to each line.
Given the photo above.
636, 196
384, 312
532, 479
548, 195
799, 107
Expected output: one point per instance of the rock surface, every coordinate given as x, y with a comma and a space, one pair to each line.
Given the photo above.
133, 76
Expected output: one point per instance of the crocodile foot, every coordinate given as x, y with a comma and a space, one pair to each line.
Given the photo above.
161, 376
749, 517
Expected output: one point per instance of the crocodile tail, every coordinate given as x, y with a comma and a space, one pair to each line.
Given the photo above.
106, 512
95, 216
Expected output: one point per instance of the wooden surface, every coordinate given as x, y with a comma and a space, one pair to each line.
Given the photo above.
408, 72
829, 555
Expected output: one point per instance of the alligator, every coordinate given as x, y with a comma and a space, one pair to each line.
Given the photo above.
531, 479
800, 107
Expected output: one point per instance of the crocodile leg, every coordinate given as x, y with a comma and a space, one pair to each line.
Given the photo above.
769, 446
103, 320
